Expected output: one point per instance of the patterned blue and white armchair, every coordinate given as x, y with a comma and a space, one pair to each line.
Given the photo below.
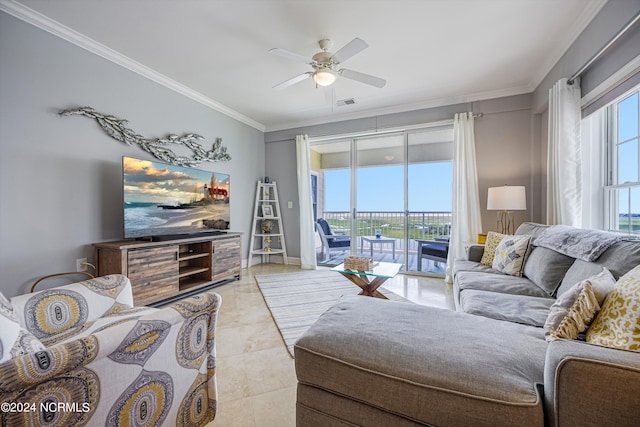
82, 354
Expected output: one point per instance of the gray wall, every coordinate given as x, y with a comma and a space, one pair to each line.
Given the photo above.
60, 177
504, 148
280, 165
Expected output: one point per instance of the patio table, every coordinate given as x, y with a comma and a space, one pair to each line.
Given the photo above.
379, 240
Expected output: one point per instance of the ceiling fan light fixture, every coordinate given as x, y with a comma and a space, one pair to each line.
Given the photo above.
324, 77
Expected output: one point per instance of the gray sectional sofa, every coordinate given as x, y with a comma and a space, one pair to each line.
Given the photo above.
369, 362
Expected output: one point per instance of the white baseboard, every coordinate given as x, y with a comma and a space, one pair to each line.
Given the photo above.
274, 260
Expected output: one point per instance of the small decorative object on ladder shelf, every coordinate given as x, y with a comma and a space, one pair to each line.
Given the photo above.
358, 263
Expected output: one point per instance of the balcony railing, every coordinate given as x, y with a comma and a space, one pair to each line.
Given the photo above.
421, 224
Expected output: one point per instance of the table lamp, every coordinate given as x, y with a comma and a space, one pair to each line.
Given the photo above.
504, 200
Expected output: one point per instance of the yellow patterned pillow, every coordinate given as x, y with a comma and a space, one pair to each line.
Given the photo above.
618, 323
493, 240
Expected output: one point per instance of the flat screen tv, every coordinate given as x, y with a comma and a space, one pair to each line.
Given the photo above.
166, 200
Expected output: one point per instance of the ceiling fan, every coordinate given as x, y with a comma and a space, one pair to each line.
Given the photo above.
325, 65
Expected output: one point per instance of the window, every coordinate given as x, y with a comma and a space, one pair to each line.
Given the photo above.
622, 192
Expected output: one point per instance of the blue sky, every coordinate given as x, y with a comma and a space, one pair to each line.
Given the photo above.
628, 168
156, 182
381, 188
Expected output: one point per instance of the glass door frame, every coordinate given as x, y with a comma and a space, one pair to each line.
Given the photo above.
351, 139
356, 248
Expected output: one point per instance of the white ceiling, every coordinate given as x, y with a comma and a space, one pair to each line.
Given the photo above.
431, 52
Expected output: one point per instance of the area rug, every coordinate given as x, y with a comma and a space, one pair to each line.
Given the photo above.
334, 260
296, 300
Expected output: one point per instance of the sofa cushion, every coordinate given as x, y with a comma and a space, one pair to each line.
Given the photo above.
546, 268
465, 265
619, 259
490, 246
574, 310
618, 323
14, 340
523, 309
501, 283
426, 363
511, 254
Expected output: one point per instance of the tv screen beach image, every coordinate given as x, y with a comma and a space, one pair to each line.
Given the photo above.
160, 198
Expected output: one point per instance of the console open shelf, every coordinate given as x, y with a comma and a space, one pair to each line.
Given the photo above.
166, 269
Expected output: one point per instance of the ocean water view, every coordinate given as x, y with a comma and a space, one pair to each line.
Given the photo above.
143, 216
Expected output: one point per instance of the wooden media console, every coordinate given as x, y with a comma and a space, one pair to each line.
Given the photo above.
167, 269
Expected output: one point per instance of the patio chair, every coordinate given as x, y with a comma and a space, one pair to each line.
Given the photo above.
436, 250
330, 240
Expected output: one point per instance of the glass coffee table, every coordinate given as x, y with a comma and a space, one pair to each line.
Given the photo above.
370, 281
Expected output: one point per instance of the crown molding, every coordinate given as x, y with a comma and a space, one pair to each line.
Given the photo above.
42, 22
562, 46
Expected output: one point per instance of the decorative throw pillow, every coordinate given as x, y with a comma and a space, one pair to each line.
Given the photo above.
574, 310
510, 255
14, 340
546, 268
618, 323
493, 240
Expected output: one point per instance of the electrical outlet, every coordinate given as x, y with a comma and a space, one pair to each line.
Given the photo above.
81, 264
290, 204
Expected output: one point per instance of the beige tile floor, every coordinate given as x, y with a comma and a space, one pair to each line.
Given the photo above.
256, 377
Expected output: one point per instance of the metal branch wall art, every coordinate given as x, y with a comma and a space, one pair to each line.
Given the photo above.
157, 147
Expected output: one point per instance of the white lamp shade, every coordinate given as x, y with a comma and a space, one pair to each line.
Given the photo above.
324, 77
507, 198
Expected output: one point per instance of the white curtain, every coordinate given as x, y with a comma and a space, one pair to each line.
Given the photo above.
564, 175
593, 151
307, 229
466, 222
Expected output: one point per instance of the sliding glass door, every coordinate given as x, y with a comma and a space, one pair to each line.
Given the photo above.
391, 194
380, 198
429, 189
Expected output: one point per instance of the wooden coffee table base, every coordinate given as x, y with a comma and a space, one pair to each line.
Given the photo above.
369, 287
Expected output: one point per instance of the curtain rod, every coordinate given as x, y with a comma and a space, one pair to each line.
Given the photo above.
380, 132
598, 54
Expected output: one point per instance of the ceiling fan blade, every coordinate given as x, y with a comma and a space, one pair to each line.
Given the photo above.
363, 78
354, 46
292, 81
290, 55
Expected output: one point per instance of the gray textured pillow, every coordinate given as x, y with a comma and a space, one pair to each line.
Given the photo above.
546, 268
